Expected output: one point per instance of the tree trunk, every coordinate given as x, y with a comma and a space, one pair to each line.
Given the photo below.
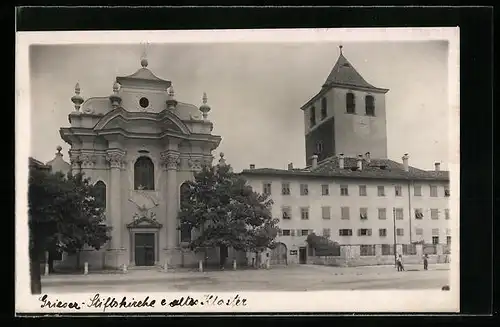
35, 274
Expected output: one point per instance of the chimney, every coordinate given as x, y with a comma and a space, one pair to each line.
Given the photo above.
341, 161
405, 162
368, 158
314, 161
360, 162
252, 166
290, 166
437, 166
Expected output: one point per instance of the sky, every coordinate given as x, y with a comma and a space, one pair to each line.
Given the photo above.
255, 91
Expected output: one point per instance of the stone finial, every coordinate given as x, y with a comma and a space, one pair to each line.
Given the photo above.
205, 108
115, 87
222, 161
77, 99
171, 102
340, 47
115, 98
59, 149
171, 92
144, 62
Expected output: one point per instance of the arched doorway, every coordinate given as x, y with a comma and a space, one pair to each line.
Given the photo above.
278, 255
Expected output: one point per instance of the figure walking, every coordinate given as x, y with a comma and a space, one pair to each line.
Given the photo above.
426, 263
400, 263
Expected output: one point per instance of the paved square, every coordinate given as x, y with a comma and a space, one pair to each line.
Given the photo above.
291, 278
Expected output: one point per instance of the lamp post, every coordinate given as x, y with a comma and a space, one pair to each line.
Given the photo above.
394, 223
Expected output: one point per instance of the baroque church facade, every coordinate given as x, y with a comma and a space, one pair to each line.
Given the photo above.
139, 145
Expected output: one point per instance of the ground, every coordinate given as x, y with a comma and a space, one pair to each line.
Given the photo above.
290, 278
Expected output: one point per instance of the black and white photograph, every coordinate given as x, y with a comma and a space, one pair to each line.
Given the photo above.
237, 170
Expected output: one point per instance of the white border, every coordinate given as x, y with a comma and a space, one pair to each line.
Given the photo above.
328, 301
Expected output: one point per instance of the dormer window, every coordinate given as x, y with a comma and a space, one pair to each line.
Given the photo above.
323, 108
312, 117
370, 105
350, 103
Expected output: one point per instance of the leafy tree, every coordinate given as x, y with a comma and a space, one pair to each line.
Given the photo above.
226, 212
64, 214
322, 245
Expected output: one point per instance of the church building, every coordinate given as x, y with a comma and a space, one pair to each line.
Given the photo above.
139, 145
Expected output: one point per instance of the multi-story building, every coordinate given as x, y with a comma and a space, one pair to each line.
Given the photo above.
350, 191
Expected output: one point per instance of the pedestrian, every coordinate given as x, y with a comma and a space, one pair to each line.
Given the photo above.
426, 263
400, 263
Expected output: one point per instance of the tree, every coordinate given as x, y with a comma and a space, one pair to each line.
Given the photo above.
226, 212
64, 215
323, 246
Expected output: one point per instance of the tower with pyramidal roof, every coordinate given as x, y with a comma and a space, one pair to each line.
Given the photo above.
347, 116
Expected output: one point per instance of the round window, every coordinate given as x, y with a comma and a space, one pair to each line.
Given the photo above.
144, 102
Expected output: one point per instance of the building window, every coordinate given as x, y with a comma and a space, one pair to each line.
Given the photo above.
446, 192
419, 231
184, 202
400, 232
304, 213
350, 103
417, 190
363, 213
387, 249
447, 214
448, 231
325, 212
448, 240
380, 191
325, 190
344, 213
326, 232
399, 213
345, 232
409, 249
267, 188
435, 240
304, 232
364, 232
344, 190
304, 190
100, 193
398, 190
419, 214
286, 232
312, 116
144, 174
370, 105
292, 232
286, 212
285, 188
382, 213
434, 214
434, 191
323, 108
382, 232
435, 232
319, 147
362, 190
144, 102
367, 250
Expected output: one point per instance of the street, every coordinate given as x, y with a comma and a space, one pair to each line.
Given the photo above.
291, 278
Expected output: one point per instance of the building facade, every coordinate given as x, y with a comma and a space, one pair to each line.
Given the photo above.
139, 145
350, 192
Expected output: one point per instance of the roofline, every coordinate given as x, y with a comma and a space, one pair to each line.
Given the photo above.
325, 175
329, 86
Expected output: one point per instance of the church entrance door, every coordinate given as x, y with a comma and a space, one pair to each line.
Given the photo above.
144, 249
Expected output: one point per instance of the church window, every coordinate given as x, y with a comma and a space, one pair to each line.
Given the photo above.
323, 108
144, 174
100, 193
185, 228
144, 102
350, 103
312, 117
370, 105
319, 147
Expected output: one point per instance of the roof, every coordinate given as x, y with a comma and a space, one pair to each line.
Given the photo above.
376, 169
143, 74
37, 164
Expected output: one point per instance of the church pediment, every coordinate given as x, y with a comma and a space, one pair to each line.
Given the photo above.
144, 222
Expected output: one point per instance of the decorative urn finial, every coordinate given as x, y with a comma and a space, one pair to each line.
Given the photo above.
205, 108
115, 98
222, 161
144, 62
77, 99
171, 102
59, 149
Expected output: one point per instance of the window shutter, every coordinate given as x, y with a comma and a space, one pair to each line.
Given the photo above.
359, 232
369, 232
292, 232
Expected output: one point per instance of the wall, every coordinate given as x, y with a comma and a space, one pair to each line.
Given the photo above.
324, 133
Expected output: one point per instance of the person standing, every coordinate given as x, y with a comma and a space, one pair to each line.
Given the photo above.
400, 263
426, 263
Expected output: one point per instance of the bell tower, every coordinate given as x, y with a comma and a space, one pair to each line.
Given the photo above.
346, 116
